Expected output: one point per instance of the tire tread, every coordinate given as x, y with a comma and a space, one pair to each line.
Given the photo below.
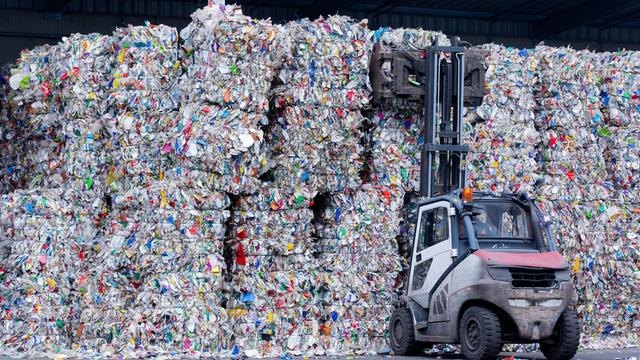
411, 346
492, 331
567, 346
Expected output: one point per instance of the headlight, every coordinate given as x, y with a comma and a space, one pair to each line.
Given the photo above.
520, 303
548, 303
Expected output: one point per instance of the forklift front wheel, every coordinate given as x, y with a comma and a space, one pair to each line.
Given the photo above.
566, 338
401, 336
480, 334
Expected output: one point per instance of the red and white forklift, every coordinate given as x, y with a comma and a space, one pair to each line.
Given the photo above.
484, 268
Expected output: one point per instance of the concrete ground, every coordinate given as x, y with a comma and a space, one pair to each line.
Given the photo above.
609, 354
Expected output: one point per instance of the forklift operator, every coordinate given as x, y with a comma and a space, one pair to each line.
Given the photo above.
511, 223
484, 226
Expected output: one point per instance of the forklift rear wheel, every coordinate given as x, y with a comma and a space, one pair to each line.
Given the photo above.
566, 338
401, 336
480, 334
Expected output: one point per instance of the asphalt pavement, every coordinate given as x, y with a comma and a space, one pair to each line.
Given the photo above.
608, 354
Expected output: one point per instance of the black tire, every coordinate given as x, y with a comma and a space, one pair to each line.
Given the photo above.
401, 337
480, 334
566, 338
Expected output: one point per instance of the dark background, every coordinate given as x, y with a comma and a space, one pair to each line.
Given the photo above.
598, 25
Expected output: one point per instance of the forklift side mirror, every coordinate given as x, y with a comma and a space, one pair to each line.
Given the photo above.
412, 218
523, 195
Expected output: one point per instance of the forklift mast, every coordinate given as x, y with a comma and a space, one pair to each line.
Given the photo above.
436, 77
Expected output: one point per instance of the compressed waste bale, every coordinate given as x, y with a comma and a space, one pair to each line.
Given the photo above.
32, 81
230, 58
327, 66
570, 87
226, 142
408, 38
44, 234
146, 57
146, 69
395, 147
358, 254
320, 147
82, 68
273, 290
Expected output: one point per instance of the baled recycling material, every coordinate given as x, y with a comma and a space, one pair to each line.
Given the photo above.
272, 300
549, 126
231, 188
323, 86
230, 61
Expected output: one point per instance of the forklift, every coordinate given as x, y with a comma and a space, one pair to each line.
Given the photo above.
484, 268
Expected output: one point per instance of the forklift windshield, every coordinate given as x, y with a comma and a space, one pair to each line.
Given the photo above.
501, 224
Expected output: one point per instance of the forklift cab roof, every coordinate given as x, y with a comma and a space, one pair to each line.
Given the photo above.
497, 222
455, 198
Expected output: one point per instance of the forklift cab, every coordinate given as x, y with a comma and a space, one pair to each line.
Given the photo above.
485, 272
505, 223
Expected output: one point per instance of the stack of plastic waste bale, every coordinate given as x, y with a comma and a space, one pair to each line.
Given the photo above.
573, 152
570, 119
82, 66
156, 276
501, 133
8, 134
142, 103
53, 224
613, 256
182, 160
623, 168
33, 104
621, 100
44, 235
358, 257
273, 302
323, 85
230, 61
155, 279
